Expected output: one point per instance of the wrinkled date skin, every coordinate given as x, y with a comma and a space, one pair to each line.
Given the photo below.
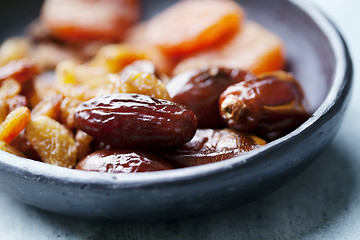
136, 121
209, 145
200, 91
269, 106
122, 161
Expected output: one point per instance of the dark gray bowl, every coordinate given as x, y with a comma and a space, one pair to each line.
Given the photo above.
317, 56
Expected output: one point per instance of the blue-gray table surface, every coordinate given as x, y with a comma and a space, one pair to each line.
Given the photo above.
323, 202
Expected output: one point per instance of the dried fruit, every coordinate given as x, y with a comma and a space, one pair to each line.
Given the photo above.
22, 144
82, 20
48, 107
142, 83
14, 123
67, 112
200, 91
123, 161
14, 49
47, 54
52, 141
83, 141
8, 148
84, 82
133, 120
9, 88
116, 57
20, 70
270, 105
189, 26
16, 102
209, 145
3, 110
253, 49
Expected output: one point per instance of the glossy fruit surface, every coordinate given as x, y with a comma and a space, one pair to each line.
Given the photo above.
270, 105
200, 91
122, 161
136, 121
209, 146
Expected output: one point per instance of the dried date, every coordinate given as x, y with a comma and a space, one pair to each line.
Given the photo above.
200, 91
136, 121
123, 161
270, 105
209, 145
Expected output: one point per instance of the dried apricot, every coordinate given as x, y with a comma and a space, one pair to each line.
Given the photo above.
80, 20
253, 49
189, 26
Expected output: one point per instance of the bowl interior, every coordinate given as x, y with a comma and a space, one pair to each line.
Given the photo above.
311, 58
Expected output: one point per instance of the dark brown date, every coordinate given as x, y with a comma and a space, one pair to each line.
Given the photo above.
136, 121
200, 91
209, 145
270, 105
122, 161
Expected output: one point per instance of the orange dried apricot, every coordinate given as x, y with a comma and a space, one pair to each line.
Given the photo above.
254, 49
189, 26
80, 20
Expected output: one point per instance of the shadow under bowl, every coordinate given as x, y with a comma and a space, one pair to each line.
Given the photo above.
318, 57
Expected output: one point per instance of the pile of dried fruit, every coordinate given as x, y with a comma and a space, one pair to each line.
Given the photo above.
92, 88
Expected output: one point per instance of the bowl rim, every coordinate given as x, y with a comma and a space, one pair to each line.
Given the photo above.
51, 174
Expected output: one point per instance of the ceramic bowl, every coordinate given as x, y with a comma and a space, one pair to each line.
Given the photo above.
318, 57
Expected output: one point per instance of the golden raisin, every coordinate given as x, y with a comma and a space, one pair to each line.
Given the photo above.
143, 83
10, 88
52, 141
14, 49
21, 70
49, 107
10, 149
83, 141
3, 110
